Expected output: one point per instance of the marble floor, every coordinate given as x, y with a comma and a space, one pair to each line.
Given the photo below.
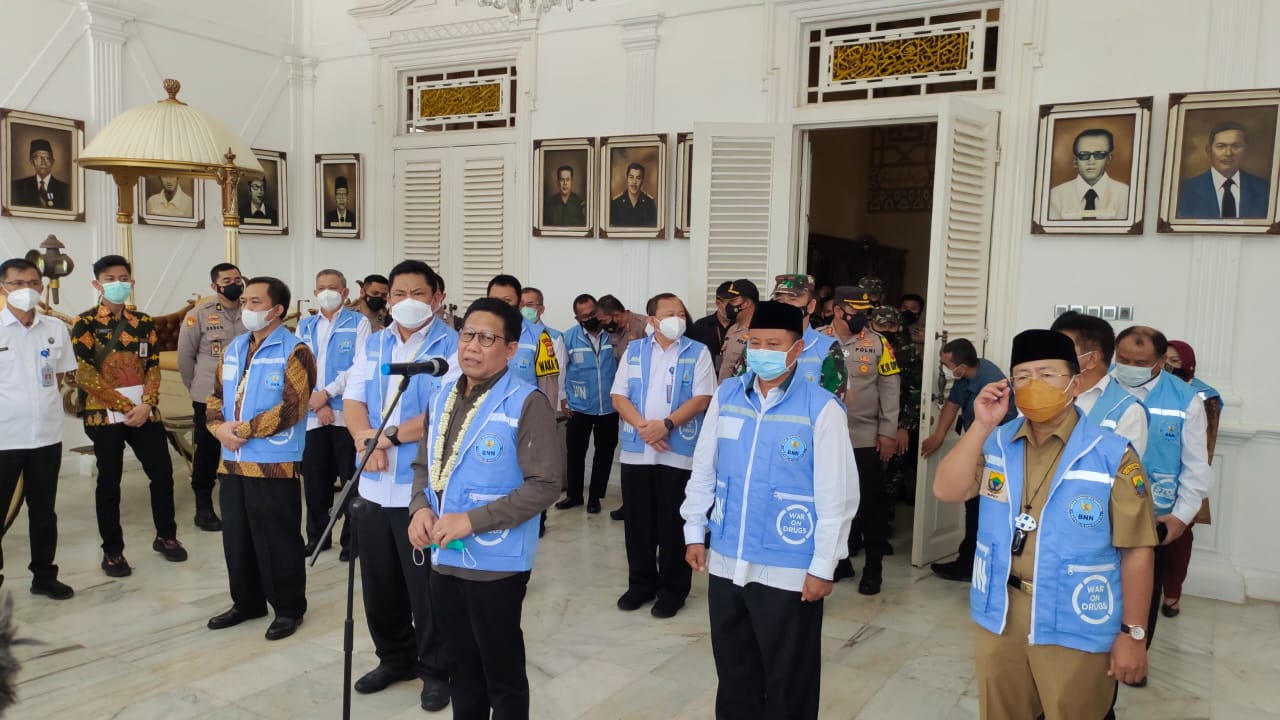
138, 647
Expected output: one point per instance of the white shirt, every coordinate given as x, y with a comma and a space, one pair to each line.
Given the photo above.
662, 366
1218, 181
32, 413
1067, 201
324, 328
380, 487
835, 497
1196, 477
1132, 425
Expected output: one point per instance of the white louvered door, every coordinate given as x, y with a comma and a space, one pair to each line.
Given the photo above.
741, 204
959, 260
453, 210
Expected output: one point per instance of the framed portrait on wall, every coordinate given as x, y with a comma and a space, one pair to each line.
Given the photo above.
1222, 154
171, 200
684, 183
633, 186
338, 187
263, 202
1091, 161
39, 175
564, 191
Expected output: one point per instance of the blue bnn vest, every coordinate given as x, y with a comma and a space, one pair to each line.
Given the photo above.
764, 504
442, 342
524, 362
589, 372
809, 364
639, 353
339, 351
1167, 405
263, 390
1077, 601
1207, 392
1114, 402
487, 469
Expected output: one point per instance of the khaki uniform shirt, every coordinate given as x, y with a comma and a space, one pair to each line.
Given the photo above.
874, 386
733, 352
1133, 520
633, 330
205, 334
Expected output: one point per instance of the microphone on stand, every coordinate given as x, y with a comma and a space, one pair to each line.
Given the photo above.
435, 367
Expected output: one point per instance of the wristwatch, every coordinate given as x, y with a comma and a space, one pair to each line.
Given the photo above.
392, 432
668, 423
1137, 632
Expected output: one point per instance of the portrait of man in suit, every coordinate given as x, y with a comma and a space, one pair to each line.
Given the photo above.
258, 210
1225, 190
171, 200
41, 189
633, 207
342, 216
564, 208
1092, 194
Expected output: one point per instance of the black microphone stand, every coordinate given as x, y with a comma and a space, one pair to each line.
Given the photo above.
354, 509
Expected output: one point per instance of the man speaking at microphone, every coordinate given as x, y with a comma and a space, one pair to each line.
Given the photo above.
396, 602
490, 464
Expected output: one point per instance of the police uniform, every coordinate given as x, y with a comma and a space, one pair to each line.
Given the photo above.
777, 475
733, 351
540, 359
206, 332
872, 399
1049, 613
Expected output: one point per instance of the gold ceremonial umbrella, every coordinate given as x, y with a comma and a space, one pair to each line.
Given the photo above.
171, 138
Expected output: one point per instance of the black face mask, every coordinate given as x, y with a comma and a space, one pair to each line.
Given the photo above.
856, 323
591, 325
376, 304
232, 292
731, 312
610, 327
1179, 373
908, 317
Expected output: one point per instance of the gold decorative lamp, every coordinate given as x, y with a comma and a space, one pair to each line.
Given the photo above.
171, 138
51, 263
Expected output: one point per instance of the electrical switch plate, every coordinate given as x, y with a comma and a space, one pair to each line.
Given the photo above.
1125, 312
1094, 310
1059, 310
1108, 312
1077, 308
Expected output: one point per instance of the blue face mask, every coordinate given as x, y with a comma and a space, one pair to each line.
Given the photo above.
767, 364
1132, 375
116, 292
529, 313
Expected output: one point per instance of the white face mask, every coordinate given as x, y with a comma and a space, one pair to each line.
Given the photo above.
411, 314
948, 373
672, 328
255, 320
329, 300
1132, 375
648, 330
23, 300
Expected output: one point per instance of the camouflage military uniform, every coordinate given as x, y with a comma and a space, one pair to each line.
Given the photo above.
900, 470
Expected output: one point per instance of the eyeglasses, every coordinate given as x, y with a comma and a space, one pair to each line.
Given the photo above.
1022, 379
20, 284
486, 338
1096, 155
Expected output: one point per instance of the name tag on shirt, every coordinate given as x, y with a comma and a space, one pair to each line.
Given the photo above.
729, 428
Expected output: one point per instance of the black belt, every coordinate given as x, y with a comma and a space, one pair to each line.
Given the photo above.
1018, 583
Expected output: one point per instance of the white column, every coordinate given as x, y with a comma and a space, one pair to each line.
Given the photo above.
640, 41
301, 172
105, 29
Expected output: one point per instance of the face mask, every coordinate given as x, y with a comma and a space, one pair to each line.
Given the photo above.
948, 373
671, 327
731, 312
116, 292
24, 299
1132, 375
767, 364
1040, 401
610, 327
591, 325
329, 300
856, 323
529, 313
1178, 373
375, 304
411, 314
232, 292
648, 331
255, 320
908, 317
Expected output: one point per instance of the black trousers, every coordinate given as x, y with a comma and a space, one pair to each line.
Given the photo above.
872, 522
151, 447
969, 543
578, 431
32, 474
205, 458
767, 646
480, 623
261, 518
1157, 590
397, 601
654, 531
329, 455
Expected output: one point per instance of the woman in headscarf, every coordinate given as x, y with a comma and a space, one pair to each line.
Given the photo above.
1181, 361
